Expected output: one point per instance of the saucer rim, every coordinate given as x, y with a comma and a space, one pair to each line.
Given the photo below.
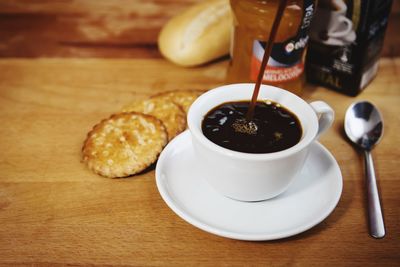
174, 206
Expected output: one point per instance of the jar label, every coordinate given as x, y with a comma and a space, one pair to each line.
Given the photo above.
286, 60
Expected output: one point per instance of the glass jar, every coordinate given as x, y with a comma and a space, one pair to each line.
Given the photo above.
253, 20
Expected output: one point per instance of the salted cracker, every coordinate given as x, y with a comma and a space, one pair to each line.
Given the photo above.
183, 98
124, 144
172, 116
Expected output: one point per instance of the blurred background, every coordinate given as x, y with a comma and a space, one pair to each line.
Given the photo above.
104, 28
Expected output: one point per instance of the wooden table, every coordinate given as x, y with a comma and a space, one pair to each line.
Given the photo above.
54, 211
104, 28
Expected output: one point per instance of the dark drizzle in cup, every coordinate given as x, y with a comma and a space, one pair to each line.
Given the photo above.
254, 126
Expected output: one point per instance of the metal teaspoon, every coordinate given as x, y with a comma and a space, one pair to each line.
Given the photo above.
363, 125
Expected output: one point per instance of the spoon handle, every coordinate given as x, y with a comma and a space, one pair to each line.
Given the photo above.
376, 224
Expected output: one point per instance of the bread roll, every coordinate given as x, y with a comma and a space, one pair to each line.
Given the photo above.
198, 35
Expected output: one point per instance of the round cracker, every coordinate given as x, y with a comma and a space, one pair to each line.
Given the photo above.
173, 117
183, 98
124, 144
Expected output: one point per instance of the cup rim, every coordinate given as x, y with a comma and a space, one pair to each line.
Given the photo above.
196, 132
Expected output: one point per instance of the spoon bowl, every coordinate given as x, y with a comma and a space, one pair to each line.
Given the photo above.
363, 125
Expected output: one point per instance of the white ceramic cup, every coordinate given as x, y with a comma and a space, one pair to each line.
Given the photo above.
247, 176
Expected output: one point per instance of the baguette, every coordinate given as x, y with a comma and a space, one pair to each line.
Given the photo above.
198, 35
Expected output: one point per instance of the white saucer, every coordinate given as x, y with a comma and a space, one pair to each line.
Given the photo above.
308, 201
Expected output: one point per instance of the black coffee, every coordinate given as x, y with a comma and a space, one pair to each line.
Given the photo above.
273, 128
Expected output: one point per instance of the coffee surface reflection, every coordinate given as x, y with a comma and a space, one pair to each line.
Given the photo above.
273, 128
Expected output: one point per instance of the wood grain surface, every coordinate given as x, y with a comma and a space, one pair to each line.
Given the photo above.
54, 211
104, 28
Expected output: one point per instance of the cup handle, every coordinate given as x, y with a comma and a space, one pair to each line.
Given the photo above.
325, 115
349, 26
